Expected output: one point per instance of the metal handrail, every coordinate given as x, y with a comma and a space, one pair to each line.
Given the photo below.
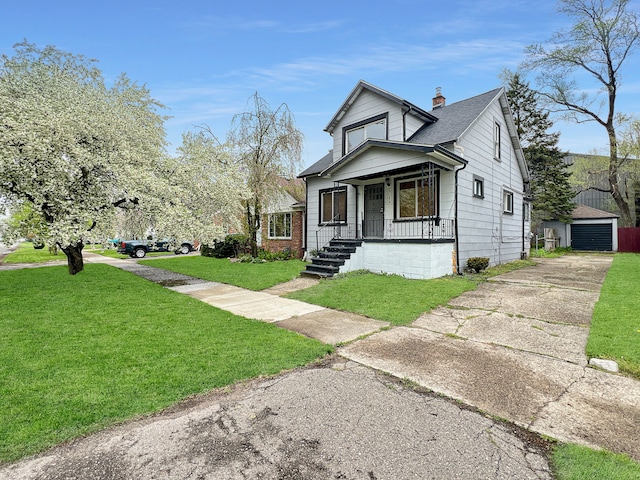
331, 223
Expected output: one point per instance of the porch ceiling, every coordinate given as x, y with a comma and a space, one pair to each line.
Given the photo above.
392, 172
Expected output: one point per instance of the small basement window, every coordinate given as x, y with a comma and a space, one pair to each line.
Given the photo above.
478, 186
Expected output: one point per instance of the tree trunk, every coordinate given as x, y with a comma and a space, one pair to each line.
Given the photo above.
614, 182
74, 257
253, 225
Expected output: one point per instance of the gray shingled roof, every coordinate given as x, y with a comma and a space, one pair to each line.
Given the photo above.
453, 121
583, 212
319, 166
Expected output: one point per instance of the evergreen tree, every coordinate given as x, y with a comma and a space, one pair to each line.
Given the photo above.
551, 192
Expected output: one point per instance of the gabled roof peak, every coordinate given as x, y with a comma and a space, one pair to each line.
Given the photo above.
357, 90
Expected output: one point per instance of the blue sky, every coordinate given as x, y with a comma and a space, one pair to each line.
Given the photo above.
204, 59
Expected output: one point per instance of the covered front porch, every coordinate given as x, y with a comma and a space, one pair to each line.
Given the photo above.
387, 208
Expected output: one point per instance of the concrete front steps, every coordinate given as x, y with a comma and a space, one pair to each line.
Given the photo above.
331, 258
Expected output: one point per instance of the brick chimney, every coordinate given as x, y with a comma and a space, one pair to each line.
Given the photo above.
438, 100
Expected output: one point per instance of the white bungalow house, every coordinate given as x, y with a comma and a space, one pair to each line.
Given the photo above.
417, 193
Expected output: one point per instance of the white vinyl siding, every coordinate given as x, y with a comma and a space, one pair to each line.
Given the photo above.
483, 229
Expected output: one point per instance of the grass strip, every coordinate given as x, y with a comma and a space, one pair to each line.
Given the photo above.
615, 326
391, 298
252, 276
575, 462
78, 353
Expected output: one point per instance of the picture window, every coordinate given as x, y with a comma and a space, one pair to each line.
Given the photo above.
417, 197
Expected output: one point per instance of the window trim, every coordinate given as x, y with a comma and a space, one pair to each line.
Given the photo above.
396, 197
321, 204
477, 180
507, 194
363, 123
497, 141
290, 222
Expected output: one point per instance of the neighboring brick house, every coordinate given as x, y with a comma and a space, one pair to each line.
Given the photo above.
283, 220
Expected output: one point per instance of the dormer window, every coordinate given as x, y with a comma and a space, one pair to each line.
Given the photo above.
372, 128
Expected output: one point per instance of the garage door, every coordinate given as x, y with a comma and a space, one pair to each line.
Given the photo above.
598, 237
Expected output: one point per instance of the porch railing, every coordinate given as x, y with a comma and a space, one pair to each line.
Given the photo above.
424, 229
329, 232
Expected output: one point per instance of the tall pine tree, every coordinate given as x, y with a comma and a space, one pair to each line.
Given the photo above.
551, 192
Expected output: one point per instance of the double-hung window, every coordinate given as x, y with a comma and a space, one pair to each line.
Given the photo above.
417, 197
356, 134
333, 205
280, 225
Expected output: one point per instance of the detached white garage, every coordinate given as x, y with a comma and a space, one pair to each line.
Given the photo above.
592, 229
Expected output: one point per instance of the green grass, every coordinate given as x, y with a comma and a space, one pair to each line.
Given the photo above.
391, 298
615, 326
78, 353
252, 276
540, 252
25, 253
575, 462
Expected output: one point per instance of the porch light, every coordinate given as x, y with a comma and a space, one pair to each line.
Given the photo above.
387, 181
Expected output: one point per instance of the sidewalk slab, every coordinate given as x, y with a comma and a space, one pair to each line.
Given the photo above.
332, 326
504, 382
600, 409
250, 304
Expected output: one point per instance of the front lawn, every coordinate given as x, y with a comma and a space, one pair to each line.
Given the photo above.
391, 298
615, 326
252, 276
25, 253
78, 353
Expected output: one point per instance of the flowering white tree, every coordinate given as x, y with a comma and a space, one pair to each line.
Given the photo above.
76, 150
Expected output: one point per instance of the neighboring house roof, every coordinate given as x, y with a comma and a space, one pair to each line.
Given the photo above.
362, 85
294, 187
582, 212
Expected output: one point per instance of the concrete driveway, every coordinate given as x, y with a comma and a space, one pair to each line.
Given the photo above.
515, 348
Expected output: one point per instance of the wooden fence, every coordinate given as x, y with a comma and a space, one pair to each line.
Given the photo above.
629, 239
